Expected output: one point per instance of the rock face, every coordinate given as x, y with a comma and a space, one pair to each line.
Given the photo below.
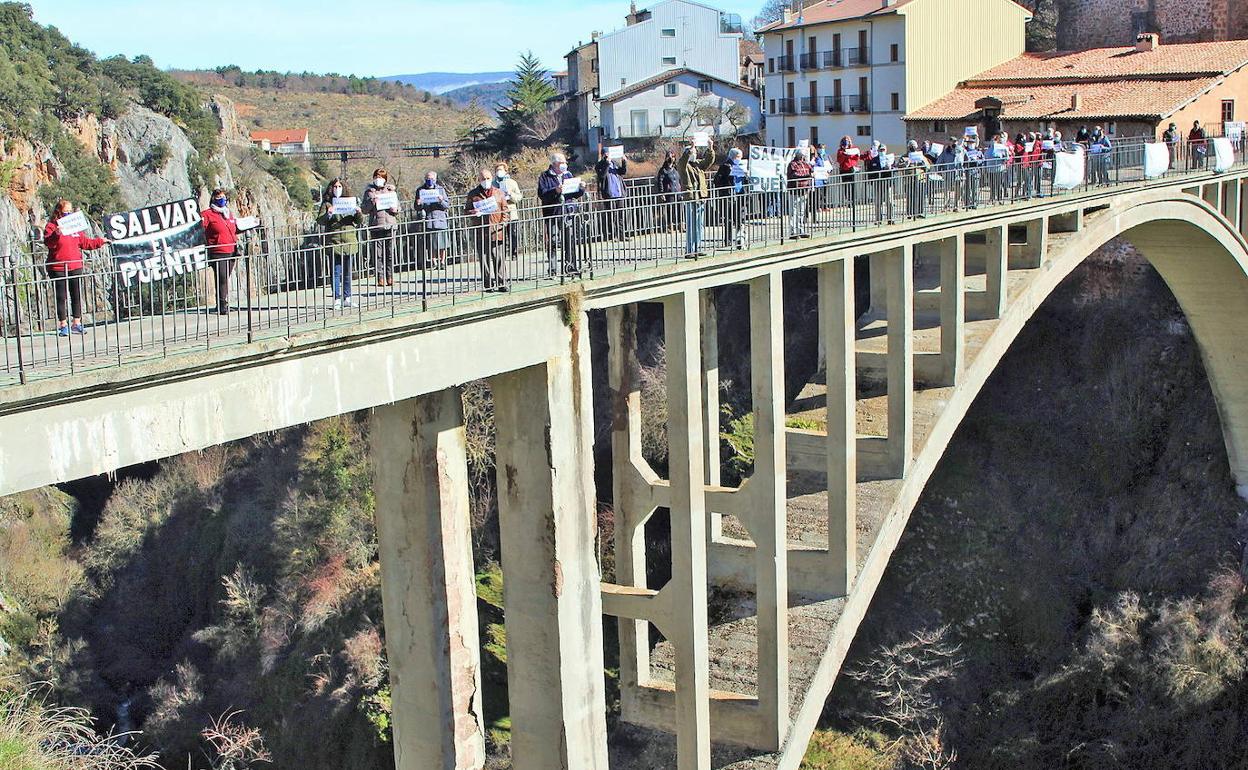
142, 136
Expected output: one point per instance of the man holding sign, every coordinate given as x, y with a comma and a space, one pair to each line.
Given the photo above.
381, 205
486, 208
560, 193
66, 238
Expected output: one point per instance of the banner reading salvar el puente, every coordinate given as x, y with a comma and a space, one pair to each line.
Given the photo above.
158, 242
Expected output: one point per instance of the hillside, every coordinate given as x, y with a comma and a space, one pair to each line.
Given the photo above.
442, 82
488, 95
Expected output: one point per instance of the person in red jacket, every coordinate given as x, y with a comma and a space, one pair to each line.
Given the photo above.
65, 268
848, 158
221, 230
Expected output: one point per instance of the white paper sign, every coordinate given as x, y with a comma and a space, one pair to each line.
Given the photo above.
1000, 150
853, 152
248, 223
821, 172
1156, 160
937, 149
429, 197
486, 206
1068, 170
387, 200
1223, 154
888, 159
972, 131
1047, 144
616, 152
701, 138
72, 224
803, 143
344, 206
571, 186
1233, 130
917, 157
1029, 147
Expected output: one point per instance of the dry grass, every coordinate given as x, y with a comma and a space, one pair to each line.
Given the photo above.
35, 735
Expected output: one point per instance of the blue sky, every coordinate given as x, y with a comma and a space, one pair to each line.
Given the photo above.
362, 38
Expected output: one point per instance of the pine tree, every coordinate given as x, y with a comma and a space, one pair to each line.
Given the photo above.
529, 90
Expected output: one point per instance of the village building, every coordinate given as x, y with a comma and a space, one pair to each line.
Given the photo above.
1130, 91
282, 141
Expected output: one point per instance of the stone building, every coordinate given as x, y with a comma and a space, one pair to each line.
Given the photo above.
1106, 23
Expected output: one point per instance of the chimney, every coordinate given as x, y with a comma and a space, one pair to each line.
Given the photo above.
593, 36
887, 3
1147, 41
631, 18
1076, 102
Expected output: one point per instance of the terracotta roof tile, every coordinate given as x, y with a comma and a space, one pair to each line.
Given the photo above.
840, 10
1166, 60
1099, 101
281, 136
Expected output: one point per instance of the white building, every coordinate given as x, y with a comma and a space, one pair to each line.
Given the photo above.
856, 67
283, 141
678, 103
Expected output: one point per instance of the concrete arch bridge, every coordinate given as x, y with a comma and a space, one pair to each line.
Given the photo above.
808, 535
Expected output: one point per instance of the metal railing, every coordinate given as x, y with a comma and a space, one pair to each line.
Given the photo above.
279, 284
860, 103
786, 63
834, 104
810, 105
812, 60
855, 57
786, 106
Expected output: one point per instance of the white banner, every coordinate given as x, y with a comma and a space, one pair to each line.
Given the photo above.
1156, 159
616, 152
1223, 154
767, 166
430, 197
243, 224
1068, 170
571, 186
701, 138
486, 206
72, 224
344, 206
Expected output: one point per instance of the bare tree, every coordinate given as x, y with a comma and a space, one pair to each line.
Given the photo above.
236, 746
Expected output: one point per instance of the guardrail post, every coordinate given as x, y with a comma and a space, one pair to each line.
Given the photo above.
7, 260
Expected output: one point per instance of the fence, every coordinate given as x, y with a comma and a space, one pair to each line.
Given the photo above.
280, 283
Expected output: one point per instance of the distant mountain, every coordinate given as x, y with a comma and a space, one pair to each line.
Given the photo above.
488, 95
441, 82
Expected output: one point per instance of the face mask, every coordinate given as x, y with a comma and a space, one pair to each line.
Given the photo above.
485, 184
337, 192
219, 202
501, 175
562, 168
379, 181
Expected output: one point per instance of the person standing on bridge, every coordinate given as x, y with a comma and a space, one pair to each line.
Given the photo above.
221, 233
611, 173
668, 184
692, 168
342, 241
382, 223
848, 160
799, 180
1198, 143
560, 210
1172, 138
432, 205
65, 268
731, 181
486, 209
1100, 151
512, 192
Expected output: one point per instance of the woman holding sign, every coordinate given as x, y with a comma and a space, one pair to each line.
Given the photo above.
340, 219
381, 204
221, 231
432, 205
487, 210
66, 238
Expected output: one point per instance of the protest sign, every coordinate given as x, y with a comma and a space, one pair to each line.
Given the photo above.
937, 149
821, 172
1233, 130
157, 242
1069, 169
701, 138
1223, 154
571, 186
972, 132
616, 152
1047, 144
1156, 159
386, 201
486, 206
767, 166
345, 206
429, 197
803, 143
72, 224
243, 224
853, 152
916, 157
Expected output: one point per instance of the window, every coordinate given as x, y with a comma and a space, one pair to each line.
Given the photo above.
593, 65
792, 136
671, 118
864, 130
895, 102
772, 108
669, 61
669, 89
623, 82
1228, 110
771, 65
894, 52
814, 136
668, 32
938, 127
1113, 128
704, 86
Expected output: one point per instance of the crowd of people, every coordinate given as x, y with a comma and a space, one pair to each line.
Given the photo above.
694, 186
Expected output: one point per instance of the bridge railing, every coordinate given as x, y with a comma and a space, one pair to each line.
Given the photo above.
282, 283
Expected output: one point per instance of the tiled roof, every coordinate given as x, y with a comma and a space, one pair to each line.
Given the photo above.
1182, 59
1114, 100
281, 136
663, 77
749, 49
838, 10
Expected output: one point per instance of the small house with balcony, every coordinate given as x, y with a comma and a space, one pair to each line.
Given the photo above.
856, 67
283, 141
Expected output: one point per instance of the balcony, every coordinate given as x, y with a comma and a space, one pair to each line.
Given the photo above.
810, 105
786, 107
834, 105
860, 103
786, 64
856, 57
813, 60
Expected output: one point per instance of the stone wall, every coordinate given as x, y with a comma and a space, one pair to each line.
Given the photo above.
1100, 23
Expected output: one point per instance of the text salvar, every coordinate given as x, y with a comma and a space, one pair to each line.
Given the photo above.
153, 219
